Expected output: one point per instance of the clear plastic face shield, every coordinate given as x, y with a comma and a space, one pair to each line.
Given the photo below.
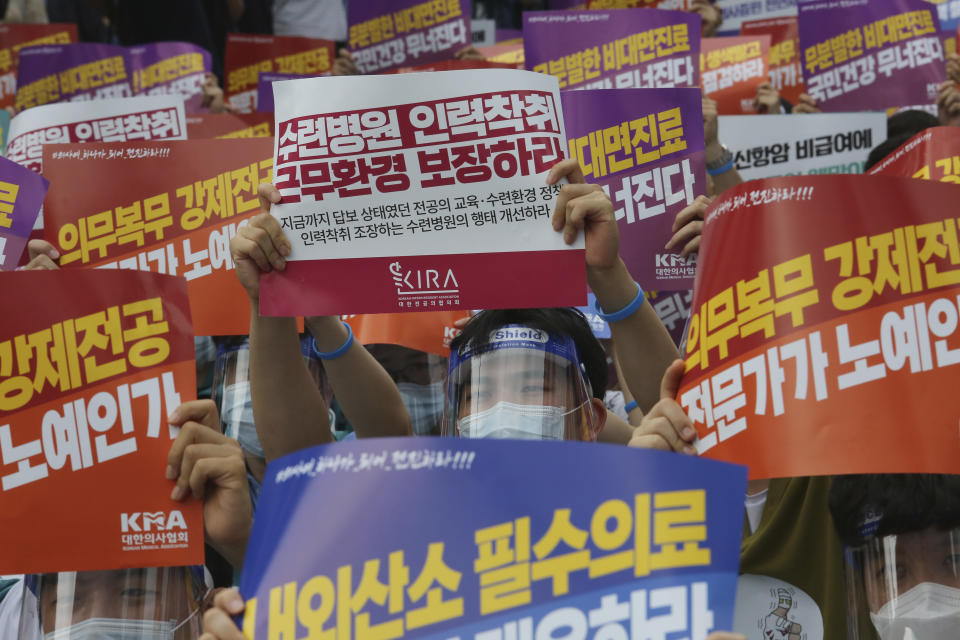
524, 384
909, 583
231, 392
127, 604
419, 378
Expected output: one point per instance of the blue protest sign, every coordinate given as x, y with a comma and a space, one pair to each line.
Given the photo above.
480, 539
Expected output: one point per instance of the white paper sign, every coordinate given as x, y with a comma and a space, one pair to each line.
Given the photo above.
765, 146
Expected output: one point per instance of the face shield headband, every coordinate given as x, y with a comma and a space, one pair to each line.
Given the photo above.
523, 383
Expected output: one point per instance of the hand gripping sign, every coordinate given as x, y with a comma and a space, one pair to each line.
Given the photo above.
614, 49
162, 207
645, 148
499, 540
824, 330
91, 364
870, 55
420, 192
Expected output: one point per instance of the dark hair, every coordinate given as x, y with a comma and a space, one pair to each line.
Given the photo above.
885, 148
901, 502
558, 321
910, 122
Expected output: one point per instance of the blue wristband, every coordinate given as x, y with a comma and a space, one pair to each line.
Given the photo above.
630, 406
333, 355
627, 311
723, 169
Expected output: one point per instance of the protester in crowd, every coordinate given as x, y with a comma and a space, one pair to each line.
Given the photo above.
419, 378
902, 535
711, 16
721, 171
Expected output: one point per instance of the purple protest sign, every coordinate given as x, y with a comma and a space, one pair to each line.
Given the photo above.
645, 148
21, 195
673, 309
870, 55
68, 72
265, 88
614, 49
170, 68
386, 34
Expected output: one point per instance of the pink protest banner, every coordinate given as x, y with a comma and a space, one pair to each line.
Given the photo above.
420, 192
731, 69
386, 34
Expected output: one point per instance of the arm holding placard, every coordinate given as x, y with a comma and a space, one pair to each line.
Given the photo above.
283, 391
43, 255
643, 343
720, 165
948, 104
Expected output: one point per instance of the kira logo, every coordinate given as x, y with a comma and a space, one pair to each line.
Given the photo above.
676, 260
152, 521
421, 281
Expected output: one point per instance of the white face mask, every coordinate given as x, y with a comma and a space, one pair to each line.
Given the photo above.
928, 611
518, 421
114, 629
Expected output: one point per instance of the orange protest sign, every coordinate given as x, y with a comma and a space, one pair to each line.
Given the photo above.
824, 327
161, 207
731, 69
89, 370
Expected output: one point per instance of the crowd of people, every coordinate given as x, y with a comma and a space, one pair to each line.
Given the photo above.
857, 556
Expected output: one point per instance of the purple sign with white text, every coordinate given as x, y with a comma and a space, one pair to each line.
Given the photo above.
614, 49
165, 68
21, 195
69, 72
645, 148
860, 55
386, 34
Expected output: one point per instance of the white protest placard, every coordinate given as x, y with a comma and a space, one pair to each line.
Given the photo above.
483, 32
736, 12
766, 146
422, 191
115, 120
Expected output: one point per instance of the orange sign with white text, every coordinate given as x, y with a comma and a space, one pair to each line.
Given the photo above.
824, 335
91, 364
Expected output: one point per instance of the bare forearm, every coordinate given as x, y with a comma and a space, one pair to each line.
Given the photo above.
725, 180
288, 408
364, 390
643, 344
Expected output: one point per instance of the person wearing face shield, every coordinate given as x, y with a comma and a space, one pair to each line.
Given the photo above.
128, 604
520, 374
902, 539
419, 379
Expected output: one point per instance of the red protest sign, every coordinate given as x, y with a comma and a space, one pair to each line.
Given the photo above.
229, 125
824, 327
89, 371
731, 69
247, 55
14, 37
164, 207
932, 154
786, 76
